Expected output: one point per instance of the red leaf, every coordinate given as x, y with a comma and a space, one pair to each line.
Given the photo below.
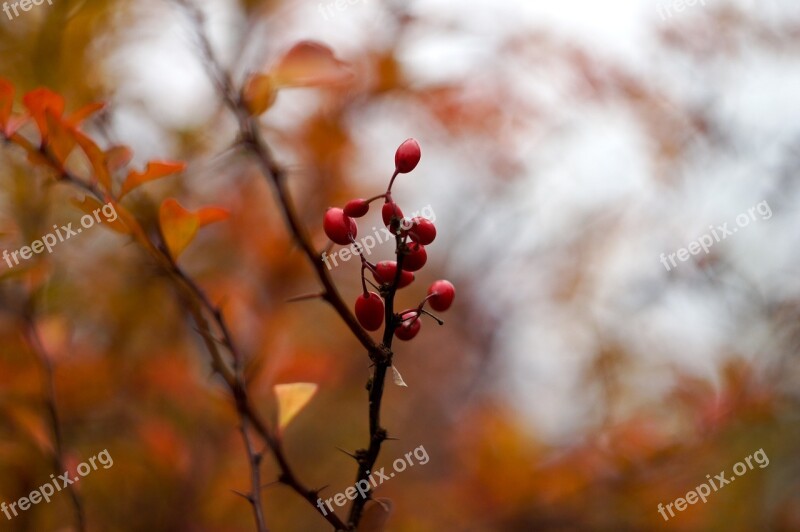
209, 215
40, 100
6, 102
97, 158
83, 113
61, 140
154, 170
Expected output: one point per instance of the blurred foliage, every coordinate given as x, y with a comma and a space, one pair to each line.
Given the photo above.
132, 375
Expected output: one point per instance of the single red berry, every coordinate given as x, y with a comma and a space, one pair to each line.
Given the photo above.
356, 208
386, 271
407, 156
408, 329
390, 210
369, 311
416, 257
338, 226
442, 294
422, 231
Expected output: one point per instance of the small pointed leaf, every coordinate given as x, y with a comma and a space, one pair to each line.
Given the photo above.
259, 93
292, 398
178, 226
154, 170
397, 378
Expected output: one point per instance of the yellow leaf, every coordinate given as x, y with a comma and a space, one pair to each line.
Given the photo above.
178, 226
309, 64
259, 93
154, 170
292, 398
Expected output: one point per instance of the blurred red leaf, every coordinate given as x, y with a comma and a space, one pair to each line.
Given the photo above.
6, 102
60, 140
83, 113
40, 100
155, 170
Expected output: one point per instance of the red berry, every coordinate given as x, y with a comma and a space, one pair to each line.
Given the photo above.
369, 311
390, 210
416, 257
422, 231
338, 226
442, 294
408, 329
386, 271
407, 156
356, 208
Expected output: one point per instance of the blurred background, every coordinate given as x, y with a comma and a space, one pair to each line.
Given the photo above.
569, 148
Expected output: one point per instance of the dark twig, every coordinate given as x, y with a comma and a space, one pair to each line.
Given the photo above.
48, 377
381, 355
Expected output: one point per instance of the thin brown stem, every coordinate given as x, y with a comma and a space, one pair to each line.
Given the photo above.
31, 334
254, 497
381, 355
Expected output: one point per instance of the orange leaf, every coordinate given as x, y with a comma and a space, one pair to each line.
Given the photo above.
60, 140
292, 398
83, 113
97, 158
209, 215
154, 170
178, 226
6, 102
118, 157
309, 64
259, 93
89, 205
40, 100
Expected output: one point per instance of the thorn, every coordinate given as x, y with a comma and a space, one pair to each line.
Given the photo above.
441, 322
351, 455
240, 494
208, 335
305, 297
268, 484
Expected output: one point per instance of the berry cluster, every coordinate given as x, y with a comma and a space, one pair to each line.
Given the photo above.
411, 235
